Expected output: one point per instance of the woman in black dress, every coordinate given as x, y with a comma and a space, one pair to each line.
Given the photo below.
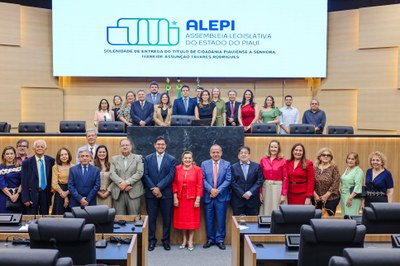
205, 109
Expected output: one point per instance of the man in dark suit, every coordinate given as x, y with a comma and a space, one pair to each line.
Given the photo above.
36, 175
184, 105
159, 172
199, 90
142, 111
232, 109
83, 181
217, 179
153, 97
247, 179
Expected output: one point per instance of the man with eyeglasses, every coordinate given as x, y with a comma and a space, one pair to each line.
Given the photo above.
22, 150
315, 116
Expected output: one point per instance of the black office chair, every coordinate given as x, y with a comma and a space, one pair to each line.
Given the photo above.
32, 257
72, 126
32, 127
289, 218
182, 120
367, 257
5, 127
302, 129
101, 216
72, 237
111, 127
263, 128
382, 218
340, 130
325, 238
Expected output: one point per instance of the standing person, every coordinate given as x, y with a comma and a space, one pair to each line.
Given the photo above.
232, 109
103, 112
188, 189
117, 104
378, 180
248, 111
247, 179
352, 177
196, 99
206, 108
142, 111
315, 116
10, 180
22, 150
159, 172
125, 111
290, 115
217, 179
83, 181
126, 173
163, 111
276, 184
91, 146
300, 175
268, 113
153, 96
36, 176
59, 183
101, 161
327, 181
184, 105
220, 119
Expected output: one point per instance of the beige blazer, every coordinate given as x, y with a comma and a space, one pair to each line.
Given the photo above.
158, 120
132, 174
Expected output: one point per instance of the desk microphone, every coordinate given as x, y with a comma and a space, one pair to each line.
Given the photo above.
102, 243
105, 118
139, 222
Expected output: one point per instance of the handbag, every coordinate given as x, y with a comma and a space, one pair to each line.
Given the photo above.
363, 193
14, 206
326, 212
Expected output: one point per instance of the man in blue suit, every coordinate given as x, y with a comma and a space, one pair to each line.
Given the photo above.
184, 105
36, 175
217, 179
247, 178
83, 181
142, 111
159, 172
232, 109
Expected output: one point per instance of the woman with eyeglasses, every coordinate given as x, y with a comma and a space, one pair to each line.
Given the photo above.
327, 182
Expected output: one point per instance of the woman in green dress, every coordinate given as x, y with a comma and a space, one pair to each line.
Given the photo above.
220, 106
269, 114
353, 176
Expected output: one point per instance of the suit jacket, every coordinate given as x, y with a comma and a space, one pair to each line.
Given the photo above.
145, 114
223, 181
179, 106
80, 186
235, 114
150, 99
99, 116
85, 147
30, 180
132, 174
158, 120
161, 179
240, 185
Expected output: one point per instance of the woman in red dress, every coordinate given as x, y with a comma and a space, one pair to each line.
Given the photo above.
187, 188
248, 111
301, 176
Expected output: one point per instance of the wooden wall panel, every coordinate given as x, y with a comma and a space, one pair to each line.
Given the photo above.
10, 24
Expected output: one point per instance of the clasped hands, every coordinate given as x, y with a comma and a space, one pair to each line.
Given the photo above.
124, 186
156, 192
214, 193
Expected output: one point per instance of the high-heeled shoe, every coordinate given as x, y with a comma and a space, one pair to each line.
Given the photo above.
190, 247
183, 246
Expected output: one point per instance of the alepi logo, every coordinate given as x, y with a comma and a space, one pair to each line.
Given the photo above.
143, 32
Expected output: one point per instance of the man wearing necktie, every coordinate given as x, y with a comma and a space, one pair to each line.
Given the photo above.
247, 179
217, 179
184, 105
232, 108
142, 111
36, 175
153, 97
91, 146
83, 181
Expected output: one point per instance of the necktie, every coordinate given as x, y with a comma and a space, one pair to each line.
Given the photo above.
186, 104
154, 99
232, 110
142, 104
91, 151
126, 162
42, 175
85, 170
245, 170
215, 174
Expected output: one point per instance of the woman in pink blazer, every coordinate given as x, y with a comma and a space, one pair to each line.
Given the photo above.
103, 113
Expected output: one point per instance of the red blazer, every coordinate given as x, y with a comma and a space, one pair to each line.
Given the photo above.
194, 182
303, 176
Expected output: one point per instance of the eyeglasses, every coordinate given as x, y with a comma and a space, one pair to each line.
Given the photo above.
326, 155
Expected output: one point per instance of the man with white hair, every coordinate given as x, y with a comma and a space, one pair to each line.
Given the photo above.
36, 175
91, 146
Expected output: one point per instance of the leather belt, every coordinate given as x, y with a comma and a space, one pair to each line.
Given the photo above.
375, 193
297, 183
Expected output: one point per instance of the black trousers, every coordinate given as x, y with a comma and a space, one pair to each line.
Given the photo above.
152, 207
43, 206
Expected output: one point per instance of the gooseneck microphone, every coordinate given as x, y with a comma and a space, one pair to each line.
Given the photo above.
102, 243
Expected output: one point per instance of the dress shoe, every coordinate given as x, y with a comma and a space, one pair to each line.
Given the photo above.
208, 244
152, 246
166, 246
221, 245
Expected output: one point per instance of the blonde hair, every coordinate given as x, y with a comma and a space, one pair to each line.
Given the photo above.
378, 154
320, 152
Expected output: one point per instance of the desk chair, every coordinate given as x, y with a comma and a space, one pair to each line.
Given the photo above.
264, 128
340, 130
31, 127
101, 216
367, 257
72, 237
289, 218
182, 120
111, 127
382, 218
32, 257
5, 127
72, 126
325, 238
